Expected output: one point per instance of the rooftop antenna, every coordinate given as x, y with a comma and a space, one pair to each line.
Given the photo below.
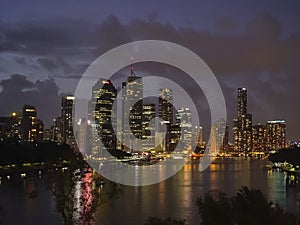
132, 73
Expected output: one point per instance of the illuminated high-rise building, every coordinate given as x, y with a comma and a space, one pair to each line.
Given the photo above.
56, 131
81, 134
101, 107
10, 127
198, 136
165, 113
242, 125
218, 132
132, 110
175, 133
165, 106
276, 134
39, 130
104, 115
29, 122
185, 116
148, 126
259, 138
66, 115
242, 102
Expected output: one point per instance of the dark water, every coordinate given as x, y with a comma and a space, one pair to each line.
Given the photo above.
52, 198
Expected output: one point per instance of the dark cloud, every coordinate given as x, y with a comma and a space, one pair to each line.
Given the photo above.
260, 49
264, 25
111, 33
17, 91
225, 23
44, 36
152, 17
55, 65
260, 58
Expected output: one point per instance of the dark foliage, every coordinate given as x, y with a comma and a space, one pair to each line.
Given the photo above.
168, 221
248, 207
287, 155
19, 153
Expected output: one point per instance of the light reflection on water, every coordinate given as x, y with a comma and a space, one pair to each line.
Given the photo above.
78, 195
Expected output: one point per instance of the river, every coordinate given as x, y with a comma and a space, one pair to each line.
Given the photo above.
51, 197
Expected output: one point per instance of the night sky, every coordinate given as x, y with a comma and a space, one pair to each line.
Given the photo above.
45, 47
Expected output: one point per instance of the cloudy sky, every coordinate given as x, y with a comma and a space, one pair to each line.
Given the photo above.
45, 47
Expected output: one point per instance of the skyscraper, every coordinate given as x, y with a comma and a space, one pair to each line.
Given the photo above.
165, 107
56, 131
81, 135
165, 113
218, 132
242, 102
259, 138
10, 127
66, 115
132, 110
276, 134
29, 120
148, 128
39, 130
198, 137
242, 125
104, 115
185, 116
103, 97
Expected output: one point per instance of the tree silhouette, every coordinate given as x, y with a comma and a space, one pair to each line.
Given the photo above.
248, 207
1, 215
78, 193
168, 221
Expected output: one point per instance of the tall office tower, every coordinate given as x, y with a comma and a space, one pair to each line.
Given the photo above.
165, 113
175, 133
225, 147
56, 131
148, 126
185, 116
101, 108
276, 134
165, 107
82, 135
66, 115
242, 102
218, 132
242, 125
104, 115
29, 121
47, 135
10, 127
132, 110
39, 130
198, 137
259, 138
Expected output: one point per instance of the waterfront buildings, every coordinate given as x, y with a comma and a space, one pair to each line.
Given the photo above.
276, 134
148, 127
32, 128
185, 117
259, 138
66, 116
132, 110
242, 125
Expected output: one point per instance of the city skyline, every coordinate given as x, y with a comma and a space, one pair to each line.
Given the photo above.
256, 48
149, 112
246, 137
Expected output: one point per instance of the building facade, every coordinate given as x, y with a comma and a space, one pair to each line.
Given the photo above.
66, 116
132, 112
242, 125
276, 134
